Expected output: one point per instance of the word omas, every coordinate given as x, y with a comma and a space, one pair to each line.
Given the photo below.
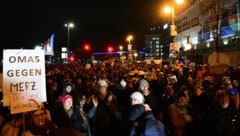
24, 72
24, 59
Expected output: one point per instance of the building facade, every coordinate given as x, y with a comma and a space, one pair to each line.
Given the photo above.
156, 43
204, 28
209, 26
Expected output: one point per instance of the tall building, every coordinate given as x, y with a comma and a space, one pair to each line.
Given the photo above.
156, 44
204, 28
209, 26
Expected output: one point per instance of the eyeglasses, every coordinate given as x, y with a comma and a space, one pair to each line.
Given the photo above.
39, 115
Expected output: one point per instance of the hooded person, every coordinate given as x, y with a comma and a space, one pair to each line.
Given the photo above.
69, 89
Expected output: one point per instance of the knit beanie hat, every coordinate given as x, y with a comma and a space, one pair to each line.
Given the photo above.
64, 98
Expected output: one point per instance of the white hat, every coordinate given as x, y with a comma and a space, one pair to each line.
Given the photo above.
102, 82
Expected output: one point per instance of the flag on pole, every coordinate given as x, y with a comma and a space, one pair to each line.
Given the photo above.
49, 45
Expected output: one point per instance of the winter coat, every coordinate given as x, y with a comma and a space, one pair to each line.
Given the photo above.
144, 123
221, 122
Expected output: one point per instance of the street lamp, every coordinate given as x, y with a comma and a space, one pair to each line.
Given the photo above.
173, 26
172, 11
129, 38
69, 26
174, 47
129, 48
135, 55
120, 48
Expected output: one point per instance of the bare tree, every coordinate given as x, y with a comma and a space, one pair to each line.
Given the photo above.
213, 10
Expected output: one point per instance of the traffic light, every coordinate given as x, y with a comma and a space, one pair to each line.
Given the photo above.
110, 49
71, 58
86, 47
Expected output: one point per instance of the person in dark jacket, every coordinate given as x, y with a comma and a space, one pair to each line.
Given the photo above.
74, 116
143, 121
221, 118
100, 108
200, 101
149, 97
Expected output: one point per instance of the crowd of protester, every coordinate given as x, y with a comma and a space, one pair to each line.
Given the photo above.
132, 99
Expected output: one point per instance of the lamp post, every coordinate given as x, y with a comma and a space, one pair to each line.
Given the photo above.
172, 11
173, 26
129, 38
130, 55
69, 26
174, 47
135, 56
120, 48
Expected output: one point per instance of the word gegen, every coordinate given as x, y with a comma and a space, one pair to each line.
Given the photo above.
24, 72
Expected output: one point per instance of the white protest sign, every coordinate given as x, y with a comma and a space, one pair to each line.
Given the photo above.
24, 80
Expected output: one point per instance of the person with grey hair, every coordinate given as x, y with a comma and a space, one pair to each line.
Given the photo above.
137, 98
149, 97
141, 118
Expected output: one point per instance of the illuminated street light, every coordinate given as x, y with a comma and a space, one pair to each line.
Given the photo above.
171, 10
179, 1
174, 47
168, 10
69, 26
129, 38
135, 55
120, 48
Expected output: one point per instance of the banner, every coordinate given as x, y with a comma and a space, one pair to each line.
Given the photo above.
24, 80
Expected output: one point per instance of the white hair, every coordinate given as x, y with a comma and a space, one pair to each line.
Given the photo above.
138, 96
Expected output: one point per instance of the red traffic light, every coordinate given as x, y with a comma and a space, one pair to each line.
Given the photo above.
110, 49
86, 47
72, 58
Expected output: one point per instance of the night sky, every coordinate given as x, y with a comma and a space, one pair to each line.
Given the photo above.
26, 23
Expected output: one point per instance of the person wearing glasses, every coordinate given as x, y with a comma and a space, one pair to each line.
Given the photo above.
38, 124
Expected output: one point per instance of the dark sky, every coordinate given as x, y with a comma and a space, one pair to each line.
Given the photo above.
26, 23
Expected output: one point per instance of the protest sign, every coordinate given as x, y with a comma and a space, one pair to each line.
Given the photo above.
24, 80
